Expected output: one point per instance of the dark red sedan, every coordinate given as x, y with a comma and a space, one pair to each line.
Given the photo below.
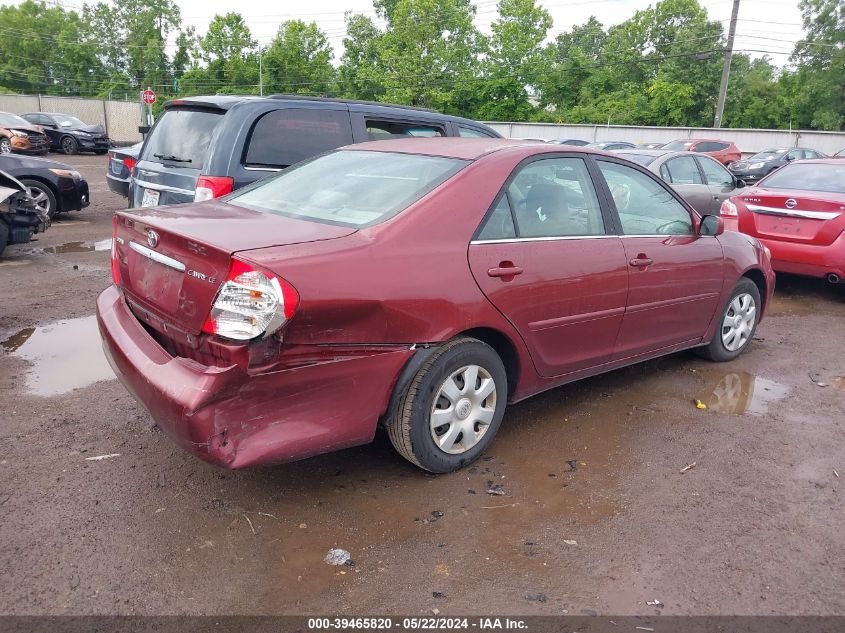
420, 284
798, 212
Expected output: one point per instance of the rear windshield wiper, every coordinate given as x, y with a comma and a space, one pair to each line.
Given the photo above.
173, 159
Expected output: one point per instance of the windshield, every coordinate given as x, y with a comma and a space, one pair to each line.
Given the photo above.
181, 138
677, 145
350, 188
769, 154
67, 121
12, 120
642, 159
808, 177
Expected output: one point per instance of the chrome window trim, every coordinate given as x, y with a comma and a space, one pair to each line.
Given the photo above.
157, 257
248, 168
157, 187
793, 213
544, 239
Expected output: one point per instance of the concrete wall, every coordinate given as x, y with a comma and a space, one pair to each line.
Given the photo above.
748, 141
120, 118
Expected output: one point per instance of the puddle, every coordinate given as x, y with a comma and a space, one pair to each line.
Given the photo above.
78, 247
64, 355
742, 392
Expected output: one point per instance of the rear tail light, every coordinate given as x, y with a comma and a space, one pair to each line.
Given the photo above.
115, 269
129, 163
250, 303
209, 187
728, 209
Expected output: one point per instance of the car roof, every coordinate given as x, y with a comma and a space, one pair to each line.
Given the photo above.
454, 146
698, 140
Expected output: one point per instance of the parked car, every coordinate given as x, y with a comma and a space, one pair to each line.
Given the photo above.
798, 212
20, 218
69, 134
650, 145
723, 151
20, 136
121, 162
701, 180
421, 282
206, 147
56, 187
609, 146
575, 142
761, 164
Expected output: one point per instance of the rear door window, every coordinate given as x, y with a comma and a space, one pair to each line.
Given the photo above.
284, 137
681, 171
378, 130
710, 146
715, 173
470, 132
181, 137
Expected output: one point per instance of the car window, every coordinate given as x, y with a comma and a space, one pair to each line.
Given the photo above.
349, 187
472, 132
710, 146
809, 177
681, 171
499, 224
642, 159
181, 137
796, 154
285, 137
12, 120
714, 173
645, 207
676, 146
379, 130
809, 153
555, 197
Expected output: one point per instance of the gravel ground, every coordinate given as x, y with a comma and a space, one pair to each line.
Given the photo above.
596, 517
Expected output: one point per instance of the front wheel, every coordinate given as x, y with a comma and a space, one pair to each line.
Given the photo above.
69, 145
43, 196
5, 145
737, 323
453, 407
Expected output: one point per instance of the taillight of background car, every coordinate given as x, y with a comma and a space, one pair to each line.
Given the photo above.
209, 187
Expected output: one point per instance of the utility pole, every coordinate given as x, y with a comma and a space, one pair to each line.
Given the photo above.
260, 71
726, 68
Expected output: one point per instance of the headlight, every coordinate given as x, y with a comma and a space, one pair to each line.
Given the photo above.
756, 165
67, 173
81, 133
18, 133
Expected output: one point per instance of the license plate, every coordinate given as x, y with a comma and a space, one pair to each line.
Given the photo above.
150, 198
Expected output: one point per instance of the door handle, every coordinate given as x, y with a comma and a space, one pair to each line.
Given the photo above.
504, 270
641, 261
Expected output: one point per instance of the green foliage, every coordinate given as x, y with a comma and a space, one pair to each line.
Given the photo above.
298, 60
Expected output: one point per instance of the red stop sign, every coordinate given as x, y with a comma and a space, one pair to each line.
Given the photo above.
149, 97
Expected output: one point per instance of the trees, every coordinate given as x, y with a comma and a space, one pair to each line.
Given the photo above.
298, 60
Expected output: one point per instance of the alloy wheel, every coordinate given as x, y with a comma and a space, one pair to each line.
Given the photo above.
41, 199
463, 409
5, 146
738, 324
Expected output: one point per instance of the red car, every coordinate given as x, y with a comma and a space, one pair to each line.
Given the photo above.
418, 283
723, 151
798, 212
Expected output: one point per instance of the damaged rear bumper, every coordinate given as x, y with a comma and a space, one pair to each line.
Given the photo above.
230, 418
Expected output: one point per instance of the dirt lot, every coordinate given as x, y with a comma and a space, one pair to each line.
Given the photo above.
597, 515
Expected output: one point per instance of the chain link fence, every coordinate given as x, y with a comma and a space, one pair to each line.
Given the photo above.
119, 118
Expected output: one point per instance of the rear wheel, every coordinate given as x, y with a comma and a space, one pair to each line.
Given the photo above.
5, 145
69, 145
44, 197
452, 408
737, 323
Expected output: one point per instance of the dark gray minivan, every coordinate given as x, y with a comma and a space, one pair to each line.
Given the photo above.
205, 147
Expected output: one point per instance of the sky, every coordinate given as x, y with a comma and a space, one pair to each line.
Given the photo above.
764, 27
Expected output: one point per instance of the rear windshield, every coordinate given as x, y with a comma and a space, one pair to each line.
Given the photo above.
642, 159
808, 177
181, 137
349, 188
769, 154
677, 145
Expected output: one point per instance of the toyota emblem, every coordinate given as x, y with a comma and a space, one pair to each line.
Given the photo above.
152, 238
791, 204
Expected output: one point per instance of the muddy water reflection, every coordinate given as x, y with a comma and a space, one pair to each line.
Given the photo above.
78, 247
741, 392
64, 355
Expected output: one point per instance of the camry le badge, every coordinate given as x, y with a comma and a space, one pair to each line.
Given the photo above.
791, 204
152, 238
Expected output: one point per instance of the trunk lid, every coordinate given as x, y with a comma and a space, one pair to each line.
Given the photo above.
793, 215
177, 272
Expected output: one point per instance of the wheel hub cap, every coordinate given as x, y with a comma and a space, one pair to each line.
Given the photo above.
738, 323
463, 409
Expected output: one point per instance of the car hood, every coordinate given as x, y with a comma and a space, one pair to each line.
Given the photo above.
15, 163
91, 129
26, 128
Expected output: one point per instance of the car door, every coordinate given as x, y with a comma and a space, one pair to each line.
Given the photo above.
684, 175
720, 182
546, 259
675, 276
51, 128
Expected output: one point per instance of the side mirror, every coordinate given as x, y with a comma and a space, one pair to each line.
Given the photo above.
789, 158
711, 225
739, 183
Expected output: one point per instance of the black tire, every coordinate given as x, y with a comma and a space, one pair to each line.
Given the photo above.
38, 188
69, 145
409, 428
4, 237
5, 145
716, 349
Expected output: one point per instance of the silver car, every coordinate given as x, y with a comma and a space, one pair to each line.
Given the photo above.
702, 181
